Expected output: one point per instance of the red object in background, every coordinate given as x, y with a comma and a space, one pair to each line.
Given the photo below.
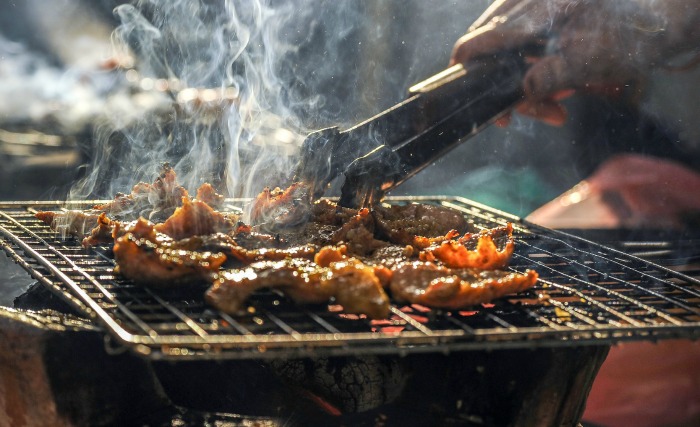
626, 191
639, 384
647, 385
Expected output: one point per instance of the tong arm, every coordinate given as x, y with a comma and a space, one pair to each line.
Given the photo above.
389, 148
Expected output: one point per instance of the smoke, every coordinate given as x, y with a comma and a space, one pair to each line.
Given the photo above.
240, 99
244, 81
286, 68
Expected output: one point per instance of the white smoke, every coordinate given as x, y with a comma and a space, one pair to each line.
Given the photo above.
237, 104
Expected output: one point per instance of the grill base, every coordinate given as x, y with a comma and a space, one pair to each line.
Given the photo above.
72, 372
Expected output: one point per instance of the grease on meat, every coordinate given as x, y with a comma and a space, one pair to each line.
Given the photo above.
474, 250
141, 257
440, 287
351, 283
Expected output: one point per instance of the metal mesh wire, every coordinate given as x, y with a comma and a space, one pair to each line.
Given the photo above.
587, 294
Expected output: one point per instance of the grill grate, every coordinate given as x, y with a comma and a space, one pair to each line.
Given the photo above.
587, 294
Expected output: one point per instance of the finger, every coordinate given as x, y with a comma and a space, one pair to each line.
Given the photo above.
547, 111
525, 21
497, 8
487, 40
474, 44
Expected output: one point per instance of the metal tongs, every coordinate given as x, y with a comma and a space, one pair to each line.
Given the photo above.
440, 112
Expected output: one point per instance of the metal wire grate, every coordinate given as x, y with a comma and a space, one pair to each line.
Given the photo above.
587, 294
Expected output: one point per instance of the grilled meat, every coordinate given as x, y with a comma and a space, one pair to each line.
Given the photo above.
157, 201
274, 210
160, 200
352, 267
474, 250
195, 218
351, 283
402, 224
207, 194
358, 234
102, 233
441, 287
147, 262
154, 201
313, 252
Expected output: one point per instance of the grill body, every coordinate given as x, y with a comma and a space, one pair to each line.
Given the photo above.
587, 294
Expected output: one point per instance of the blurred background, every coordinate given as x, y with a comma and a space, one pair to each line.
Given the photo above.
72, 91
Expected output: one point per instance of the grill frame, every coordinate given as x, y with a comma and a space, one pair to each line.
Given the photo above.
84, 279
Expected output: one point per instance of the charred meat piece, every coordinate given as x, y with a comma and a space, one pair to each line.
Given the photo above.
222, 243
351, 283
126, 203
440, 287
249, 256
70, 223
421, 242
331, 225
358, 289
233, 287
157, 201
195, 218
327, 212
146, 262
280, 209
330, 254
358, 234
102, 233
166, 194
477, 250
207, 194
401, 224
250, 239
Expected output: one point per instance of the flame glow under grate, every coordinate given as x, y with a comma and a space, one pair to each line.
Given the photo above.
587, 294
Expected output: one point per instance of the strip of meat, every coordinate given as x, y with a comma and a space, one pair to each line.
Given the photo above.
166, 194
158, 200
358, 289
351, 283
440, 287
250, 239
330, 254
148, 263
421, 242
224, 243
249, 256
232, 287
485, 253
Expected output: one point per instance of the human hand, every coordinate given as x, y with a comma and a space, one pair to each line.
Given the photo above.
598, 46
627, 191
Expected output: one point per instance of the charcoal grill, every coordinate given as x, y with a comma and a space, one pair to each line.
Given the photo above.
587, 294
